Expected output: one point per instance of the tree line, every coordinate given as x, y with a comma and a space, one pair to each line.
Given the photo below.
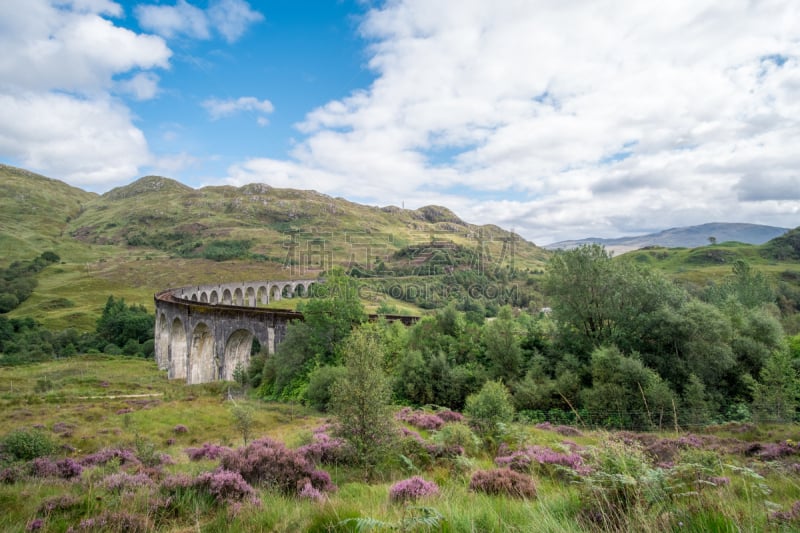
121, 329
622, 347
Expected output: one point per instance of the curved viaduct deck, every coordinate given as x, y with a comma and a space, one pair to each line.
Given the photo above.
203, 333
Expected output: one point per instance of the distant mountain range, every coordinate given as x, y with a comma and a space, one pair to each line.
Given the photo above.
686, 237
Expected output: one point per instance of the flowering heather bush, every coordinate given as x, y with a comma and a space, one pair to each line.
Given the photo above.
412, 489
323, 448
518, 461
503, 481
792, 515
308, 492
35, 525
776, 450
541, 458
450, 416
113, 523
123, 481
180, 429
58, 503
269, 463
105, 455
10, 475
124, 411
177, 482
567, 431
225, 486
207, 451
63, 468
411, 434
420, 419
43, 467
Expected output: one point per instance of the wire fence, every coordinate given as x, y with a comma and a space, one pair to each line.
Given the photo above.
658, 420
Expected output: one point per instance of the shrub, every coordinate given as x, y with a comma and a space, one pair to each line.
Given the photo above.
43, 467
25, 445
123, 455
123, 481
545, 461
112, 523
458, 434
225, 486
10, 475
180, 429
450, 416
489, 407
412, 489
621, 480
324, 449
63, 468
269, 463
420, 419
320, 380
503, 481
206, 451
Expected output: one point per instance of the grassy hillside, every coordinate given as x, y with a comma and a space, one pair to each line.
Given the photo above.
35, 212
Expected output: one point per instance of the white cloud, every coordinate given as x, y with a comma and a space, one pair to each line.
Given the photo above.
181, 19
229, 18
567, 119
224, 108
142, 86
50, 48
57, 72
85, 142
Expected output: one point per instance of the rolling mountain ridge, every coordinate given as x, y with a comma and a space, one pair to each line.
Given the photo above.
683, 237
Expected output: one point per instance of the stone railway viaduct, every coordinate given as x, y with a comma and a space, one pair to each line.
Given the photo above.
203, 333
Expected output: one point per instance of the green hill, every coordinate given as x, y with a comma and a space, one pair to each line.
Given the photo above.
35, 212
155, 233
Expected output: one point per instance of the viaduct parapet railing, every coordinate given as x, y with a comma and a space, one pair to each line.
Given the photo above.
203, 333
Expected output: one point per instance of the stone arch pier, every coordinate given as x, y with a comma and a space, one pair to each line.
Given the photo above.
203, 332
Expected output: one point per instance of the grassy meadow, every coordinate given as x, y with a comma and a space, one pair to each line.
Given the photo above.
726, 478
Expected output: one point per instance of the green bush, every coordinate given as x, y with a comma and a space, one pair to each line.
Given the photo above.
24, 445
489, 409
458, 434
320, 380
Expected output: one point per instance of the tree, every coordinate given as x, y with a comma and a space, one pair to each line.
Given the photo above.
360, 400
712, 241
776, 392
695, 407
624, 392
597, 301
503, 350
331, 315
488, 409
120, 323
242, 420
748, 286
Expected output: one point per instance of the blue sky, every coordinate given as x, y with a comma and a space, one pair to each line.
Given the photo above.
558, 119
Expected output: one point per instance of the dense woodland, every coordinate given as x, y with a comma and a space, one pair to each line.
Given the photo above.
622, 347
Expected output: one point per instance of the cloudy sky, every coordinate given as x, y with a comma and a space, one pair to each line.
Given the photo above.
559, 119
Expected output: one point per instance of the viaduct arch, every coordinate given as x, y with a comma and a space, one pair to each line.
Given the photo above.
203, 332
